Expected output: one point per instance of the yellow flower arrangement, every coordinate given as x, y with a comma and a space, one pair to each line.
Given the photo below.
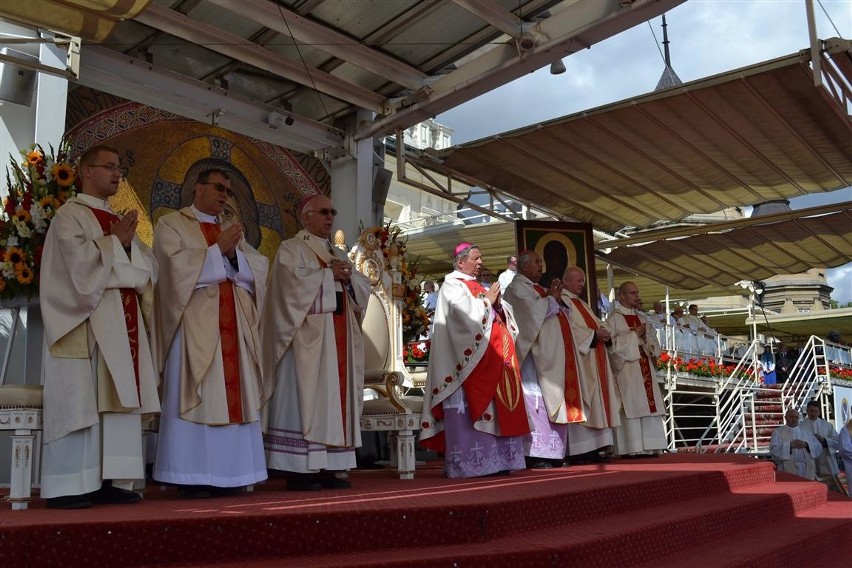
37, 187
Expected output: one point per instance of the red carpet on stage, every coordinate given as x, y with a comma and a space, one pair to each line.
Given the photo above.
678, 510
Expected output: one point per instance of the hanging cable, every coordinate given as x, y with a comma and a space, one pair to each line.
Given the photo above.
657, 43
302, 59
830, 20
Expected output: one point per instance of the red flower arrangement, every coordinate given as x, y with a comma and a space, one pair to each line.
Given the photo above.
416, 352
701, 367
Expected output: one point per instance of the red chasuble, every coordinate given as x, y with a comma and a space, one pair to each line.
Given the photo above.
573, 401
497, 378
600, 356
129, 300
633, 321
228, 336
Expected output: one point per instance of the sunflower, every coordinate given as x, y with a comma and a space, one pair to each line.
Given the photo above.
35, 157
22, 215
64, 174
15, 255
24, 274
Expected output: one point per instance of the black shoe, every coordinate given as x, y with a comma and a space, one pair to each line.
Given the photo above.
225, 491
195, 491
303, 482
69, 502
109, 495
596, 457
330, 481
539, 464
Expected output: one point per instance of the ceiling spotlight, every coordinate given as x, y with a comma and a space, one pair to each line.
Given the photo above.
557, 67
289, 120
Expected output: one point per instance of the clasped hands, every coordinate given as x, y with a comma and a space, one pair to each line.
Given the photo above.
341, 269
125, 227
229, 239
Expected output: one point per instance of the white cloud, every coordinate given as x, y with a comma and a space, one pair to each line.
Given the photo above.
841, 280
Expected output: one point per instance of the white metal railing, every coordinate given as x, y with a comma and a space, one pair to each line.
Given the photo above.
743, 405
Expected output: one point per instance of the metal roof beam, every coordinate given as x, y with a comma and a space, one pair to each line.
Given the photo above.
236, 47
488, 11
136, 80
291, 24
577, 27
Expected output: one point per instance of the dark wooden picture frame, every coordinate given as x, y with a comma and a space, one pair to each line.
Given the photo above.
561, 245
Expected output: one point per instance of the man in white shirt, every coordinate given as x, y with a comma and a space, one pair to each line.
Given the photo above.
793, 448
506, 276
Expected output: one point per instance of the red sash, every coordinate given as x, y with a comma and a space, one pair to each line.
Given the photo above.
129, 300
573, 402
341, 342
497, 378
600, 355
644, 364
228, 336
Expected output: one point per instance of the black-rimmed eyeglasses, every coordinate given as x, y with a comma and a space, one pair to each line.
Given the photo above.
220, 187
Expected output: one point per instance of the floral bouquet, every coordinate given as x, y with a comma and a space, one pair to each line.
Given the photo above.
415, 320
36, 189
416, 352
701, 367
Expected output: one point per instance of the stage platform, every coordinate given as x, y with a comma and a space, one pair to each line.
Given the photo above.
677, 510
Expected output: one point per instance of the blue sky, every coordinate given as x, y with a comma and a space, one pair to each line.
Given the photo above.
707, 37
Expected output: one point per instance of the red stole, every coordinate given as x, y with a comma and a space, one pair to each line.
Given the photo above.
129, 300
633, 321
600, 355
497, 378
573, 402
228, 335
341, 342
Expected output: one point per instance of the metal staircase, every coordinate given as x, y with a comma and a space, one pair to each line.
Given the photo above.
739, 413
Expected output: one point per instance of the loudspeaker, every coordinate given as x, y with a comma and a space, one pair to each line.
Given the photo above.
381, 185
17, 84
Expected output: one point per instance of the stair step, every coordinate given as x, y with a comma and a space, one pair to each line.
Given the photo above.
610, 541
820, 536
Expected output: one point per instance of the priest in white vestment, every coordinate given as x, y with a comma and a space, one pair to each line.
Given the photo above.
844, 447
473, 404
793, 448
826, 435
209, 297
96, 294
314, 355
633, 357
591, 440
545, 349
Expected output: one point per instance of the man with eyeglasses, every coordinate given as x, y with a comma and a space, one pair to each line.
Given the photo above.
314, 354
99, 374
209, 298
473, 408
